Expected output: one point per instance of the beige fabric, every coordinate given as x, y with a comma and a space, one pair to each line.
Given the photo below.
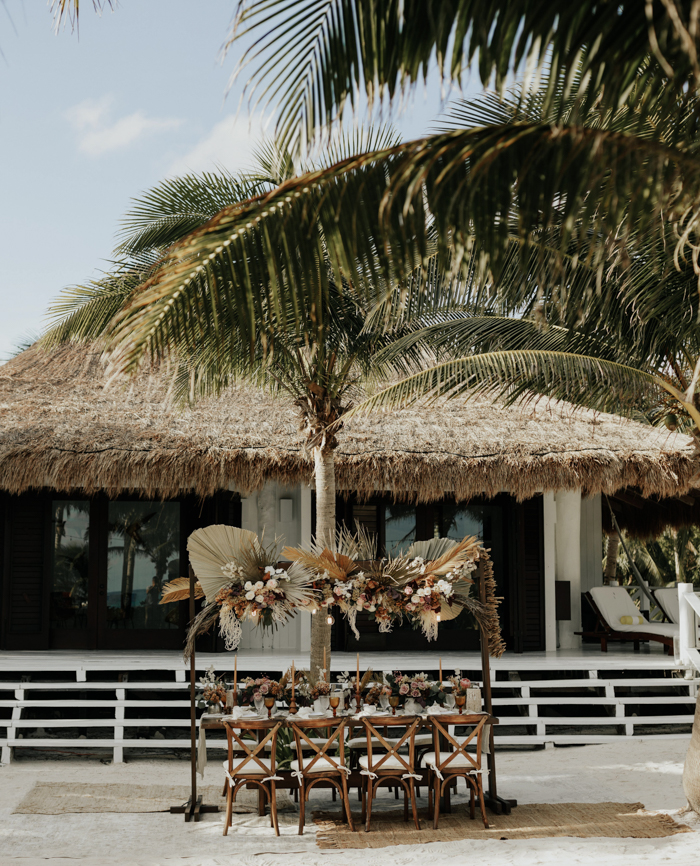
322, 765
527, 821
249, 766
614, 602
456, 763
391, 763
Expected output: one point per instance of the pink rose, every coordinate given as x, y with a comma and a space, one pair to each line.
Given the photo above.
256, 695
465, 683
403, 690
408, 590
415, 693
414, 684
264, 689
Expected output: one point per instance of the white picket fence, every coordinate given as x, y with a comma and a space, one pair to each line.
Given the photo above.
689, 612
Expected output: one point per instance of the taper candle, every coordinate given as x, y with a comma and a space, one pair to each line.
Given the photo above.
357, 681
440, 673
235, 672
293, 676
324, 663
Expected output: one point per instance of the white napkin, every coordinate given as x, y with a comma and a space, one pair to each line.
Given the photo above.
241, 713
367, 710
437, 710
309, 713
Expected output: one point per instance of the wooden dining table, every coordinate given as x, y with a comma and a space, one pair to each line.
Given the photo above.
216, 722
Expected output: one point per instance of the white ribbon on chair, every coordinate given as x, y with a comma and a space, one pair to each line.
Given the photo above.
298, 775
369, 773
412, 776
273, 779
437, 772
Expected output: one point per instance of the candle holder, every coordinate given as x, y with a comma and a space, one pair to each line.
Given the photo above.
393, 703
269, 703
358, 701
460, 701
293, 709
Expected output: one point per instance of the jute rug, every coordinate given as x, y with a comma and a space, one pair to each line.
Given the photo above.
530, 821
57, 798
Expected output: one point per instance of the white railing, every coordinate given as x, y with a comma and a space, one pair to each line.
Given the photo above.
689, 611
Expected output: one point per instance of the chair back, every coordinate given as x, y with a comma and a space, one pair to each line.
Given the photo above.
251, 753
319, 753
441, 725
379, 762
614, 602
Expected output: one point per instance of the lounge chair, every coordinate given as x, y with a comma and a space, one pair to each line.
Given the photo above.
618, 619
667, 599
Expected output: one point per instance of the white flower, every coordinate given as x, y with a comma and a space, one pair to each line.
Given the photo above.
372, 607
258, 584
248, 585
280, 571
272, 583
260, 599
250, 595
269, 569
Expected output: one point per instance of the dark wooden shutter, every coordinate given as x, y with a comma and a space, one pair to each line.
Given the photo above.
27, 621
531, 575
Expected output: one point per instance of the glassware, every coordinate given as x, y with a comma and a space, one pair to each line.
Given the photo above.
460, 701
259, 704
269, 703
383, 702
450, 701
393, 703
334, 701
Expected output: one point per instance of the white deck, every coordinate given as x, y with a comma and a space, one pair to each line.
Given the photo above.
593, 697
587, 657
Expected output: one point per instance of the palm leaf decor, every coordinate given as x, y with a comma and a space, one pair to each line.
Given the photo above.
241, 580
427, 584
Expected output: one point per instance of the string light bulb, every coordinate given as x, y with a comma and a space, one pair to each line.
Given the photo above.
438, 617
330, 619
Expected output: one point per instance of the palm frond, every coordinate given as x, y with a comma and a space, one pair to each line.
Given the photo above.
179, 589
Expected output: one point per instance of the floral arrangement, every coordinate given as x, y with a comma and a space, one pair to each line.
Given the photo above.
429, 583
416, 686
378, 691
460, 684
213, 689
251, 689
258, 590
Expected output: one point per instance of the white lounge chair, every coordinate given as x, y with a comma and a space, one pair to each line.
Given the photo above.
618, 619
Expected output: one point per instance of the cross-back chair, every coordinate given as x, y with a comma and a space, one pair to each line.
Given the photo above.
389, 767
315, 763
450, 760
250, 765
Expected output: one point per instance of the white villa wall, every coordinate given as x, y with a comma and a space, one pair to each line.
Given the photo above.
568, 561
262, 511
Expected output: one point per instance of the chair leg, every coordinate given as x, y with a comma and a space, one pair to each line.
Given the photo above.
364, 798
223, 793
229, 809
346, 802
334, 795
405, 804
302, 807
436, 804
480, 791
472, 813
368, 799
273, 808
396, 792
412, 789
603, 644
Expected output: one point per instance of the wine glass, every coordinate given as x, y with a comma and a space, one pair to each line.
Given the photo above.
450, 701
269, 703
393, 703
334, 701
259, 704
460, 701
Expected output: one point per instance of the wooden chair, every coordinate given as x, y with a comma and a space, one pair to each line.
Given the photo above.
315, 764
251, 767
609, 604
389, 767
457, 763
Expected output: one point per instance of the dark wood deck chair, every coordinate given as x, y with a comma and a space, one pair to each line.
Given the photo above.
247, 764
618, 619
317, 763
454, 759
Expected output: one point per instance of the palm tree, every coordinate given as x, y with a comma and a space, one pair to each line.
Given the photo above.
320, 366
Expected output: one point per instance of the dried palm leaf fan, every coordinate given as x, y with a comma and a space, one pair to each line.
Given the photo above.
241, 581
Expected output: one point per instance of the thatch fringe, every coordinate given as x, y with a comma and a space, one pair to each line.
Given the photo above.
62, 428
487, 616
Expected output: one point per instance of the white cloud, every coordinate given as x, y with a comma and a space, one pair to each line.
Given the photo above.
229, 143
99, 133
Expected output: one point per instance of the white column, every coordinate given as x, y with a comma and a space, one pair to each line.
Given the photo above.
568, 561
550, 549
687, 631
306, 523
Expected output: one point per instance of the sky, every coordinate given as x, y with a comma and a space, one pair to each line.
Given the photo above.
89, 120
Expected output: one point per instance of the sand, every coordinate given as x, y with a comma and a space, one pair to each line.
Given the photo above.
629, 771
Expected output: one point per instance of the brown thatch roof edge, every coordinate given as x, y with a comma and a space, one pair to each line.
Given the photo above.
61, 428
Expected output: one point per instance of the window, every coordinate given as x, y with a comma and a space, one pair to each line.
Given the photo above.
70, 528
143, 553
399, 528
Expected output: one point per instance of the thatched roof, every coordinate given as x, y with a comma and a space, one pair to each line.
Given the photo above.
61, 428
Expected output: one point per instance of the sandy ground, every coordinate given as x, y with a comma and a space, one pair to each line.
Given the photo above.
630, 771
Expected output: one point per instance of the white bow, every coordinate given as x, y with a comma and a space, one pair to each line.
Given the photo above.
298, 775
369, 773
273, 779
412, 776
437, 772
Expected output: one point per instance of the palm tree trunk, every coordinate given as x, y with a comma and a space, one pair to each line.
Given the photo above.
324, 475
691, 768
610, 572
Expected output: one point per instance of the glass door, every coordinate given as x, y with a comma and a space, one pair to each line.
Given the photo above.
142, 552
